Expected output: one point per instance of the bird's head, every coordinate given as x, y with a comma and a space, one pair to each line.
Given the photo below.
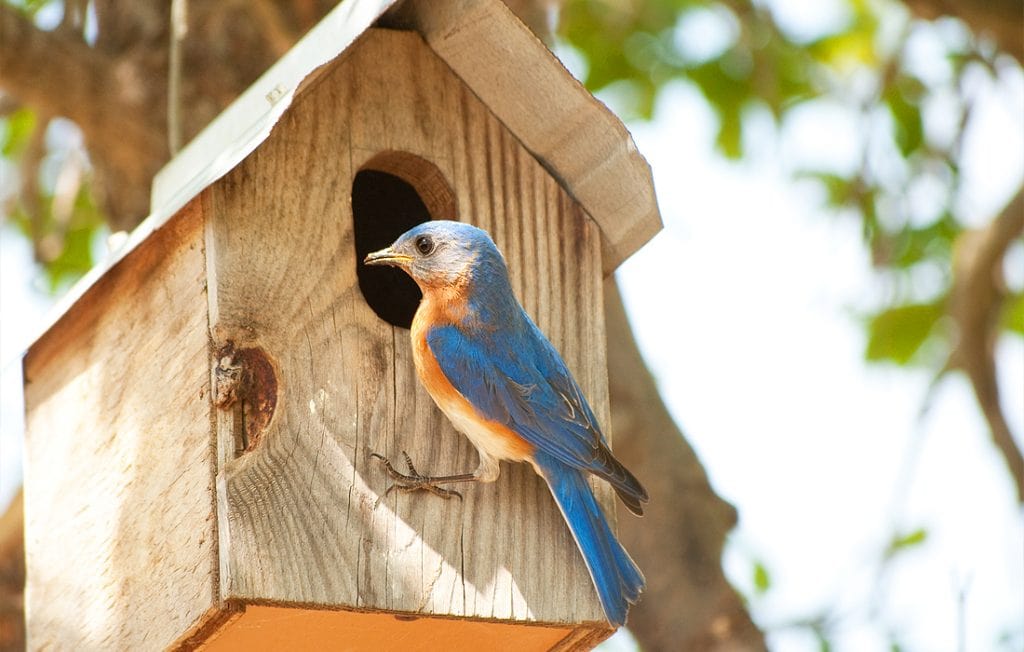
442, 253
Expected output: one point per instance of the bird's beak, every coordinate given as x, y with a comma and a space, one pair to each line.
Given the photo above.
387, 257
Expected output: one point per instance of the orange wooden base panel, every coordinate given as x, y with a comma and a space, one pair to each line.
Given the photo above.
271, 628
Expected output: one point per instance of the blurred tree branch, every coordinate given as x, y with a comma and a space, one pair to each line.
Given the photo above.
1000, 19
116, 89
58, 73
975, 305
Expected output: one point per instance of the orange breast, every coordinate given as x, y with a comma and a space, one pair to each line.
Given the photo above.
496, 439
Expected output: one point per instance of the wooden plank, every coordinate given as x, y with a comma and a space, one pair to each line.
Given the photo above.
120, 530
270, 628
574, 136
303, 518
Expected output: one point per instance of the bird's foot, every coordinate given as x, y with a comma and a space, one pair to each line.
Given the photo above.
414, 481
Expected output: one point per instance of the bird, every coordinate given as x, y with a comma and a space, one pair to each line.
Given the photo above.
502, 384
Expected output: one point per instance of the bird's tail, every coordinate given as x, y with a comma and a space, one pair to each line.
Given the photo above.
616, 577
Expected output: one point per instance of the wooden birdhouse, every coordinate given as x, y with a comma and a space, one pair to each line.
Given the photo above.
201, 411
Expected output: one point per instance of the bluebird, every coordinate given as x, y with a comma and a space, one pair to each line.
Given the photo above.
503, 385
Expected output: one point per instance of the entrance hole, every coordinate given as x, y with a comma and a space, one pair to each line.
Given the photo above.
392, 193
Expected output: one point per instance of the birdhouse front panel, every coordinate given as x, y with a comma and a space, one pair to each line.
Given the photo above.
313, 370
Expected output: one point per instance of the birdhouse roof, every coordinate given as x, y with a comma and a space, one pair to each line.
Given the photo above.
581, 143
576, 137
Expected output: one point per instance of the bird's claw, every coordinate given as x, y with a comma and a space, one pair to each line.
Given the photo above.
413, 481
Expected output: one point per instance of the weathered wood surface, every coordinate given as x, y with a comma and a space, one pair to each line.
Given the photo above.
120, 527
576, 137
302, 518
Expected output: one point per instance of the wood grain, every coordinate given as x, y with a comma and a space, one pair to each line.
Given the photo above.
119, 470
303, 521
574, 136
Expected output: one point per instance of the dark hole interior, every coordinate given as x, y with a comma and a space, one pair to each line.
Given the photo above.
384, 207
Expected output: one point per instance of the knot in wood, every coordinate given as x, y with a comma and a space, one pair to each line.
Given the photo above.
247, 385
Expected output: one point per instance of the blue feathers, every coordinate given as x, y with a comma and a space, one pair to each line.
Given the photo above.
616, 577
515, 377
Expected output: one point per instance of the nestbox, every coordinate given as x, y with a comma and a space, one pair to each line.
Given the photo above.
202, 410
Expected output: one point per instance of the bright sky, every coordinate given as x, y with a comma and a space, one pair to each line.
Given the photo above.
21, 312
744, 309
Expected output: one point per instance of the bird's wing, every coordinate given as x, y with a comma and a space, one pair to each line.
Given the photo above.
520, 381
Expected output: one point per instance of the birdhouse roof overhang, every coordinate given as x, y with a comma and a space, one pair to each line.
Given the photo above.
581, 143
576, 137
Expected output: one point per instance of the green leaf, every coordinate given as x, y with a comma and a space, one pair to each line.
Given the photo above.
839, 189
1013, 314
846, 50
75, 255
74, 260
824, 645
730, 134
20, 125
30, 7
854, 46
908, 125
896, 334
902, 542
725, 83
933, 242
762, 580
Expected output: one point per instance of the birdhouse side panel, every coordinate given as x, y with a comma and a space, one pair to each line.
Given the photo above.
305, 517
121, 542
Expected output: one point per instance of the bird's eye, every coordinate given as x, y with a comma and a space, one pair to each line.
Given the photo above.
425, 245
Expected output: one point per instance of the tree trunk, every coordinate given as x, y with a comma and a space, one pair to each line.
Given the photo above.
688, 604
